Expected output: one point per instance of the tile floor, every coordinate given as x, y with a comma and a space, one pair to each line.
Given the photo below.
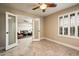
47, 48
41, 48
23, 48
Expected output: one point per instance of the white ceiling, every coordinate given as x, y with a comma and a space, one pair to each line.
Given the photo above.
27, 7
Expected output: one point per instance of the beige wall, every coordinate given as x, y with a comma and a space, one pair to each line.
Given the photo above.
2, 31
51, 27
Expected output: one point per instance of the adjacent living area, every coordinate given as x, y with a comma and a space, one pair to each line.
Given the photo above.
39, 29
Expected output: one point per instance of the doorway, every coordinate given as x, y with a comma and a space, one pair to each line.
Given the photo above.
29, 27
24, 27
21, 27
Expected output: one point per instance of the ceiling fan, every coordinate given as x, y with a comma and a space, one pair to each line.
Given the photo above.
44, 6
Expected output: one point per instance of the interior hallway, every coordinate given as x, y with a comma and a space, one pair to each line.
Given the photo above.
42, 48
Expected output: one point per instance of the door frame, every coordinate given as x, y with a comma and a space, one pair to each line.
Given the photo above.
15, 44
34, 31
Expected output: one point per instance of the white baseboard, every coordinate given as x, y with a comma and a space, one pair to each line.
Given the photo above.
61, 43
42, 38
36, 40
1, 48
39, 39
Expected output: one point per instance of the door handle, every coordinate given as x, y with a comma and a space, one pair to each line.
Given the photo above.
7, 32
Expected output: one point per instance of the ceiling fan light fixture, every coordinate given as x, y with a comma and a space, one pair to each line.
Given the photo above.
43, 6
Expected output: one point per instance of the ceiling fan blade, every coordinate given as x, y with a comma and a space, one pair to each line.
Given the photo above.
51, 5
36, 8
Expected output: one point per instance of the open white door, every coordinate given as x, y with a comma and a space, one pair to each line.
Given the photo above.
36, 29
11, 30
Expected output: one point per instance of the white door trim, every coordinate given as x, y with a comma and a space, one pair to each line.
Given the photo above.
34, 31
15, 44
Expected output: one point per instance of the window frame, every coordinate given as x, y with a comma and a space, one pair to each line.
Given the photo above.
76, 25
